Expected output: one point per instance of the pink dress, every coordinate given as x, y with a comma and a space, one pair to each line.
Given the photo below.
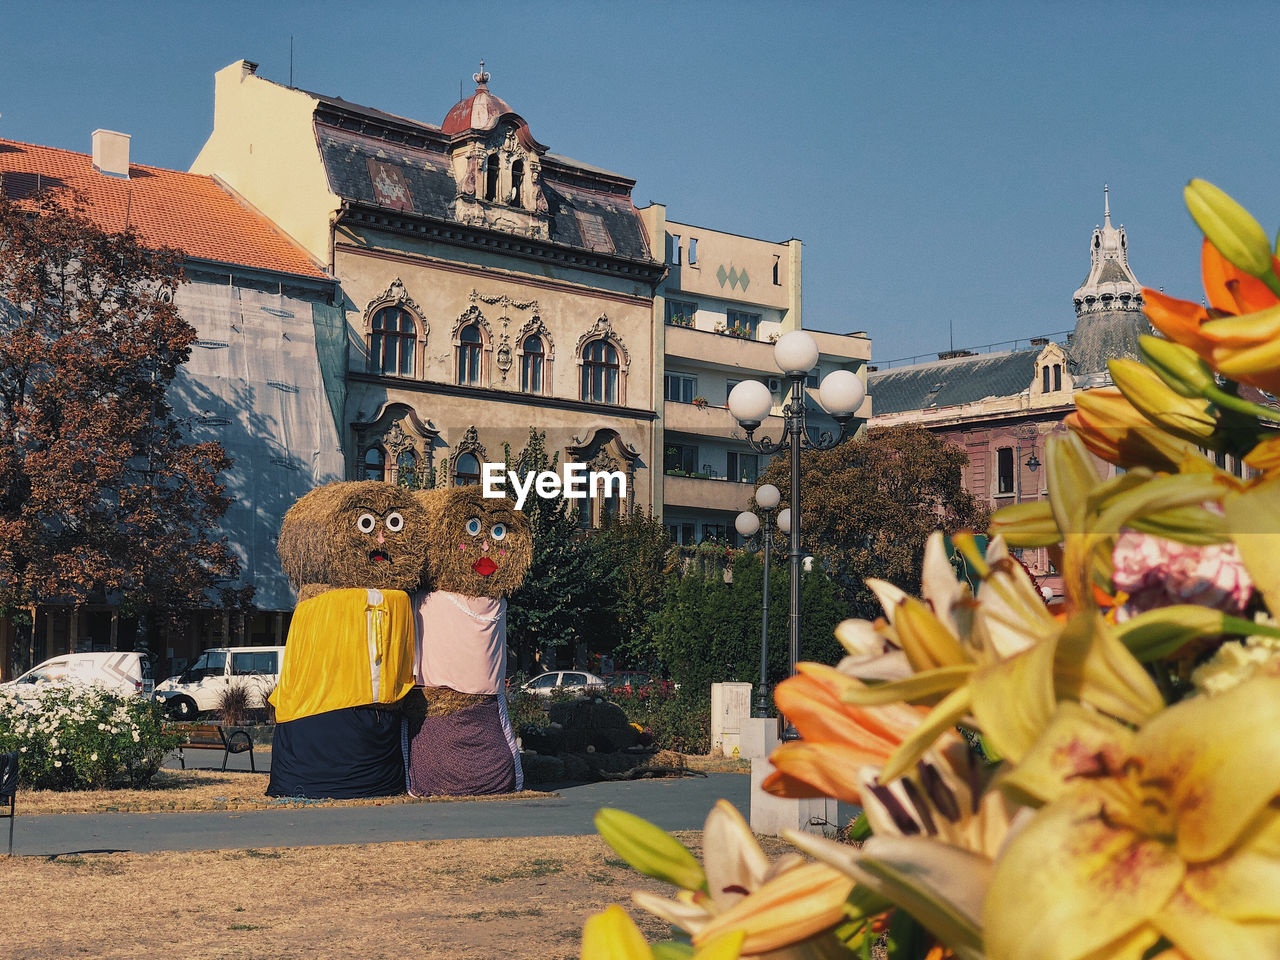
461, 644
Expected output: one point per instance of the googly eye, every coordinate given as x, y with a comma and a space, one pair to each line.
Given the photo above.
473, 526
498, 531
395, 522
366, 523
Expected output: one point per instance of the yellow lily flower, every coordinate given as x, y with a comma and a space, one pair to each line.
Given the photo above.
1171, 831
1007, 668
612, 935
785, 905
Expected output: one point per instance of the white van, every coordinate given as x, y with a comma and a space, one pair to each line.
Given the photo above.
124, 672
200, 687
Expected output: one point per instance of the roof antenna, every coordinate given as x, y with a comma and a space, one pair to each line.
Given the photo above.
291, 61
951, 333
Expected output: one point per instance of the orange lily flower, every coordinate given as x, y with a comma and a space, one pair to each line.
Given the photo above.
1237, 335
1231, 290
838, 737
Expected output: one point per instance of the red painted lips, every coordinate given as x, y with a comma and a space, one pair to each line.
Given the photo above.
484, 566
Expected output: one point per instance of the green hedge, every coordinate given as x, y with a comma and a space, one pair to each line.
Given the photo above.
83, 738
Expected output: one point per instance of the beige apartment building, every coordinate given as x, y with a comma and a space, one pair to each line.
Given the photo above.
724, 300
489, 285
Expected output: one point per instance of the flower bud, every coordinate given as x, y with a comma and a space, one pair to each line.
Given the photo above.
1185, 417
1229, 227
1180, 367
650, 849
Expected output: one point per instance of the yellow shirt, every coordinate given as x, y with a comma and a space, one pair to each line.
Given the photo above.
346, 648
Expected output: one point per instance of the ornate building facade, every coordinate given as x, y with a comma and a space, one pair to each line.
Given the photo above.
489, 285
1000, 407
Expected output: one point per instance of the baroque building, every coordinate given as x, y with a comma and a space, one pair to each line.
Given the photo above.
489, 285
1001, 406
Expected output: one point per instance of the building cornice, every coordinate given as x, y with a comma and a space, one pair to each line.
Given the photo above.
481, 238
524, 279
501, 396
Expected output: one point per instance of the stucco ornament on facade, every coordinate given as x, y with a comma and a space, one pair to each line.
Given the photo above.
602, 329
397, 296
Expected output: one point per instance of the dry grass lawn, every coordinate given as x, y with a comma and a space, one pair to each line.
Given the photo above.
458, 899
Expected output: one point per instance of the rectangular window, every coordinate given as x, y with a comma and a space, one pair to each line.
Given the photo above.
742, 324
743, 467
693, 250
680, 458
673, 253
679, 388
777, 267
1057, 376
680, 313
715, 532
1045, 378
1004, 470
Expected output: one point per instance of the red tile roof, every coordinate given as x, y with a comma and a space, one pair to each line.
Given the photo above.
167, 208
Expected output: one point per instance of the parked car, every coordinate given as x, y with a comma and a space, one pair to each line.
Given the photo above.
127, 672
573, 681
200, 687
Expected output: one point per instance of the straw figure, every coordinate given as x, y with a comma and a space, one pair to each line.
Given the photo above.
458, 737
353, 550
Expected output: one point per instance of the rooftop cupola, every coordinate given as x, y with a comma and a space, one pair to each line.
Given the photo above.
480, 111
1111, 284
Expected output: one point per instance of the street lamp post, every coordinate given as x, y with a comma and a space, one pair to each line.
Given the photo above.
750, 401
747, 523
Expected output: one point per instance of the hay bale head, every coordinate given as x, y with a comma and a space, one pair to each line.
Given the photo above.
354, 534
476, 545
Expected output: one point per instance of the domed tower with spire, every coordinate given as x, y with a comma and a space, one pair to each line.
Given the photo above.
497, 164
1108, 304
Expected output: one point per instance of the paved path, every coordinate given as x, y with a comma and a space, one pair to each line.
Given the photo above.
672, 804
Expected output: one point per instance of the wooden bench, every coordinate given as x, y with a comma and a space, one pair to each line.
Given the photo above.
212, 736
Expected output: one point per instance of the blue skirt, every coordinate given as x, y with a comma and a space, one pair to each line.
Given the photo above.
339, 755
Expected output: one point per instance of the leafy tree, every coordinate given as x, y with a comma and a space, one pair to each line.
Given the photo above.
561, 600
99, 494
708, 629
870, 504
639, 557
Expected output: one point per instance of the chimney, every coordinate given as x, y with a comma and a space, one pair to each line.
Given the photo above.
111, 153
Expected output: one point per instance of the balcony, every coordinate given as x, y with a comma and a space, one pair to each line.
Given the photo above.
711, 421
706, 493
720, 350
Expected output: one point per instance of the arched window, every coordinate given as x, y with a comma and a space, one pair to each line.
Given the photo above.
407, 468
517, 182
1045, 378
491, 177
470, 352
374, 466
532, 365
392, 339
466, 471
600, 372
1057, 376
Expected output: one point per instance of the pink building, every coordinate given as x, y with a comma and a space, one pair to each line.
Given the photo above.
1000, 405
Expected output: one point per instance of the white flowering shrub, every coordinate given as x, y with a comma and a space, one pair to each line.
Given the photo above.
83, 738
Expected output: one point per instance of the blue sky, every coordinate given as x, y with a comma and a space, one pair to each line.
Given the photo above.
942, 162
